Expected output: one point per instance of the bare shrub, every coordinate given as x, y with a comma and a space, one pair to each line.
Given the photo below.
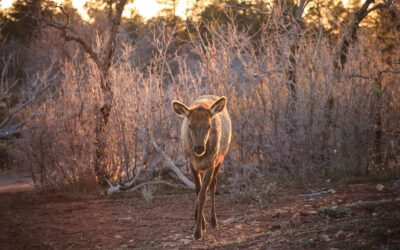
57, 147
147, 193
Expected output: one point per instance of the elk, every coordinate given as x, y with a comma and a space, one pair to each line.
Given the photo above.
206, 134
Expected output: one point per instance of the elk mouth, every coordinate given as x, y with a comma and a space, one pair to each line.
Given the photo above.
199, 151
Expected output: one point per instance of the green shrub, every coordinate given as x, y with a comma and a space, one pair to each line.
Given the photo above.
333, 212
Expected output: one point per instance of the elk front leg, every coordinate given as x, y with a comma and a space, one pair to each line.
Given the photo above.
197, 181
213, 187
200, 202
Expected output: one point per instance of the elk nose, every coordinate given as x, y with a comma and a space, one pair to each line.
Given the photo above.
199, 149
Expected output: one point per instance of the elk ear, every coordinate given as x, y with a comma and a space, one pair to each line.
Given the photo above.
180, 108
218, 106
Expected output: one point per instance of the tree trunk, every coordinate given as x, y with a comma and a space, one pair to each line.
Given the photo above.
292, 90
108, 96
110, 9
103, 62
378, 121
291, 83
349, 37
101, 136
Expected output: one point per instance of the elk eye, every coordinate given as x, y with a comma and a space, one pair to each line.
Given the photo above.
209, 126
190, 125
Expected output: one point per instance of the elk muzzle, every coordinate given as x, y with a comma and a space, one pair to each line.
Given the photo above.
199, 150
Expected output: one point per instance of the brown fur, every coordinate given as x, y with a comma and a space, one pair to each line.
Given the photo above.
206, 134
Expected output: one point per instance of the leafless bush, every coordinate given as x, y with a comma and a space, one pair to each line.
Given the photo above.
57, 147
147, 193
15, 96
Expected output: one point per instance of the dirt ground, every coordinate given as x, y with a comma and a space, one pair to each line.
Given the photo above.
287, 221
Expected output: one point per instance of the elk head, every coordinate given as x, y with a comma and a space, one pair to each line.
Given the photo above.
199, 122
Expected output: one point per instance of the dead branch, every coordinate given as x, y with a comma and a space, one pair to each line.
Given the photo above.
118, 187
7, 126
66, 31
300, 9
157, 182
313, 194
378, 202
130, 186
172, 164
330, 191
142, 162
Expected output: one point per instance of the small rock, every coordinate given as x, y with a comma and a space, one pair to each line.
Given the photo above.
185, 241
175, 236
332, 248
296, 218
118, 236
283, 224
228, 221
312, 212
379, 187
168, 244
238, 226
303, 213
274, 225
276, 215
325, 238
329, 180
126, 218
374, 214
332, 191
340, 235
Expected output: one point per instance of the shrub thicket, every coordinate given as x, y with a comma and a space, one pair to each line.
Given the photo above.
343, 123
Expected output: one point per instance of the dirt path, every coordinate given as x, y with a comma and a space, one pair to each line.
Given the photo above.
11, 182
61, 221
